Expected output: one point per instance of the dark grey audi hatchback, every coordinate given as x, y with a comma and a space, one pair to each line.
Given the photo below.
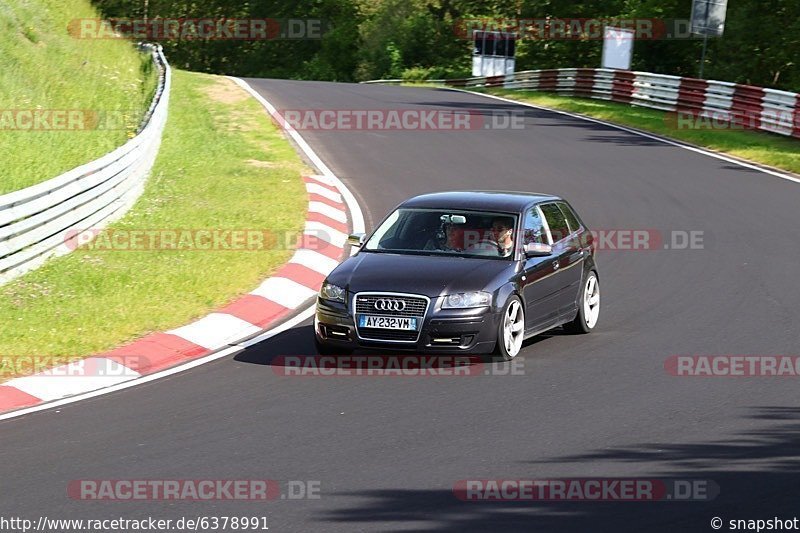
462, 272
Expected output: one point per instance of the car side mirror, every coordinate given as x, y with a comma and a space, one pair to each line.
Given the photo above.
536, 249
356, 239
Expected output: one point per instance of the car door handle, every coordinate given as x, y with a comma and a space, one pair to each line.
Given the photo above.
556, 265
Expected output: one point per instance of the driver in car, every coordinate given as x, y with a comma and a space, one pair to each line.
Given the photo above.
498, 239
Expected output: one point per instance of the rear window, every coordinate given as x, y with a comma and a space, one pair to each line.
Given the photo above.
556, 220
569, 214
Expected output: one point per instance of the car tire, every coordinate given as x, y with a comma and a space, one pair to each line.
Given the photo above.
510, 330
323, 348
588, 306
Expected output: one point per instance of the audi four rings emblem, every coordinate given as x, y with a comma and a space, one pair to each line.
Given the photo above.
389, 305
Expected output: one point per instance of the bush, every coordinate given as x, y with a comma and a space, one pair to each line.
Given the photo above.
416, 74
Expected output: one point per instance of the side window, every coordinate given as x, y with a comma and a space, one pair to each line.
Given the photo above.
533, 230
556, 221
569, 214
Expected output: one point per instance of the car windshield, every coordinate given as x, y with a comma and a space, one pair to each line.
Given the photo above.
446, 232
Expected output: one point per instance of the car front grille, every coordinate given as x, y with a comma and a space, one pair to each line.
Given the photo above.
415, 306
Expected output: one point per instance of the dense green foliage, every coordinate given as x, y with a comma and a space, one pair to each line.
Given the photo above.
369, 39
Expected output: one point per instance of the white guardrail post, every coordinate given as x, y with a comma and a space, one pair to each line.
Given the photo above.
43, 220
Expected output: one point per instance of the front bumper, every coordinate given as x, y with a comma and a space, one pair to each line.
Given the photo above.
445, 331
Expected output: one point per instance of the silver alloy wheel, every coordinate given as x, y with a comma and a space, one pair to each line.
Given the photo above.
513, 328
591, 301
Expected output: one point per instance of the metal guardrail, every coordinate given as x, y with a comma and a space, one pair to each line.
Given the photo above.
37, 222
398, 81
692, 99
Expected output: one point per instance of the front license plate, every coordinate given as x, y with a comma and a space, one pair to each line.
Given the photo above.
388, 322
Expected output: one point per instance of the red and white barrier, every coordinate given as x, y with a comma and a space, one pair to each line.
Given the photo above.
742, 106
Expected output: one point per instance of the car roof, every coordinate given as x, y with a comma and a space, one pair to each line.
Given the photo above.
504, 201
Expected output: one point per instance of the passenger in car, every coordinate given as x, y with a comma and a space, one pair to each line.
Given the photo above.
453, 239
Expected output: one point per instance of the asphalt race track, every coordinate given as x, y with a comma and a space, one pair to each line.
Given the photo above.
387, 451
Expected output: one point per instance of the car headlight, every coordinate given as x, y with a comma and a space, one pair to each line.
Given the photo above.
333, 292
467, 299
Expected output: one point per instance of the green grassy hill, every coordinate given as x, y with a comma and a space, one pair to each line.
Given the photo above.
43, 67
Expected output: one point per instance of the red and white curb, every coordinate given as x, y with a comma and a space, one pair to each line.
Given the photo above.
252, 318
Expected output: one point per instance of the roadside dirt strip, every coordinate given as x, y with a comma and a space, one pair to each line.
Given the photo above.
289, 289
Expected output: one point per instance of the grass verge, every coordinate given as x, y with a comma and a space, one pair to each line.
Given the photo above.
765, 148
222, 165
44, 67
